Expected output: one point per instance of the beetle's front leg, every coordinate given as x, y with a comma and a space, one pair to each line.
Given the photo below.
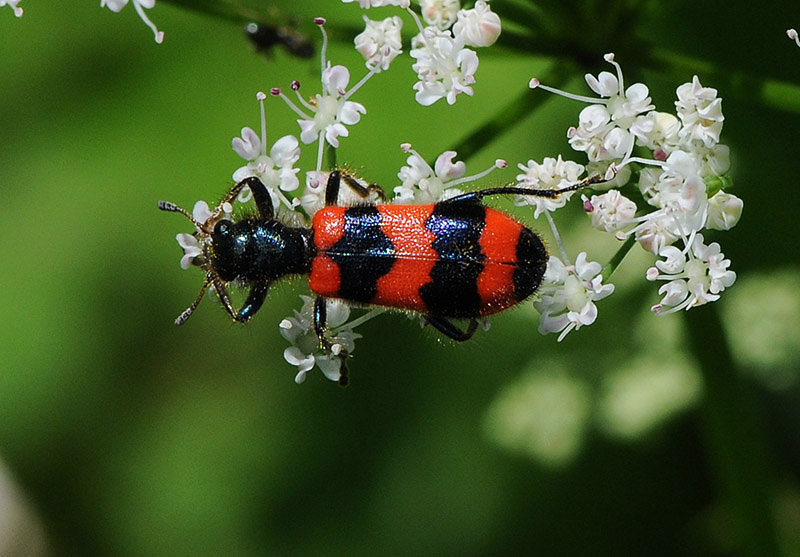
260, 194
321, 328
258, 292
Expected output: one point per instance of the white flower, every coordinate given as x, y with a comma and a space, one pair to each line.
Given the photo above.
594, 123
608, 128
679, 185
622, 104
13, 5
422, 184
313, 198
332, 111
656, 232
324, 116
551, 174
568, 294
724, 211
380, 42
696, 276
439, 13
139, 5
479, 26
191, 249
444, 67
276, 170
700, 110
189, 242
714, 161
792, 34
201, 212
607, 131
305, 351
610, 211
679, 193
658, 131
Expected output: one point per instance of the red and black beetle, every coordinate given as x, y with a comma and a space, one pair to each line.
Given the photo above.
455, 259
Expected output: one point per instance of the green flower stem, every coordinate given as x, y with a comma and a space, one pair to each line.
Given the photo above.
330, 155
736, 452
614, 262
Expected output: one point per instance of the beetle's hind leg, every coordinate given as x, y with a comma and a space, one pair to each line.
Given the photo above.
321, 328
361, 189
451, 330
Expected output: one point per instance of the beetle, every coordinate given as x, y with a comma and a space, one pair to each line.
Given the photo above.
453, 260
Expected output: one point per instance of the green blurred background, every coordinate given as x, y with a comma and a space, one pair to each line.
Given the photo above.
125, 435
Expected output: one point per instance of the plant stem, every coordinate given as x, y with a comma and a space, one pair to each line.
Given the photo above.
614, 262
330, 155
736, 451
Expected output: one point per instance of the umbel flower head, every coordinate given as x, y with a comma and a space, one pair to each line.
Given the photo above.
568, 295
681, 171
445, 62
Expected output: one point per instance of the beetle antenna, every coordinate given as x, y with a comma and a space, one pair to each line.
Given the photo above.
187, 313
519, 190
172, 208
585, 183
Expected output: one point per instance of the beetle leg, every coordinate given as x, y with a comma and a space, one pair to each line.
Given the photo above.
222, 294
334, 184
262, 198
251, 305
239, 186
321, 328
363, 190
187, 313
332, 188
253, 302
449, 329
260, 195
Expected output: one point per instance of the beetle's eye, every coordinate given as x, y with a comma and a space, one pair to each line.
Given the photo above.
222, 227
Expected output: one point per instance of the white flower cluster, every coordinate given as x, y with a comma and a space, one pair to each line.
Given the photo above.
305, 351
421, 184
568, 294
681, 172
445, 65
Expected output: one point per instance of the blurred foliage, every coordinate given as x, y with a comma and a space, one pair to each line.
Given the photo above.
129, 436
